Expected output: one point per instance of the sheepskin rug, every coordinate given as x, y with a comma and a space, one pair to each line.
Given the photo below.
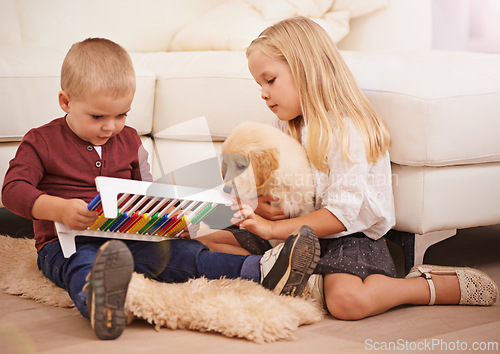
234, 308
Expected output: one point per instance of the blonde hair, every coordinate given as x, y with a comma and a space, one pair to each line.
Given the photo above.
326, 87
97, 65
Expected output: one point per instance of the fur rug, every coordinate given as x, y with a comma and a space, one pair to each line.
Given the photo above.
234, 308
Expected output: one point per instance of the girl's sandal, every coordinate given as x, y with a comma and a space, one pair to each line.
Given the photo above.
476, 288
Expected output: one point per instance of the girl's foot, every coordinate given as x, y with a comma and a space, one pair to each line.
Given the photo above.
475, 287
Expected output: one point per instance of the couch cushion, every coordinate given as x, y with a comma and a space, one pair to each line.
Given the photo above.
430, 199
245, 21
10, 29
403, 25
142, 26
30, 83
232, 25
216, 85
187, 163
442, 107
359, 8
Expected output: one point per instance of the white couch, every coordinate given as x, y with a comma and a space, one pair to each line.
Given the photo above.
442, 107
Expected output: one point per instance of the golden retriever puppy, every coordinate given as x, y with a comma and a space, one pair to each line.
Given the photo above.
259, 160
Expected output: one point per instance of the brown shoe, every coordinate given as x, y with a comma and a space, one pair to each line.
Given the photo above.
107, 288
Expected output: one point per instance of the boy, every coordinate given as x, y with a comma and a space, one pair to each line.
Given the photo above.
51, 178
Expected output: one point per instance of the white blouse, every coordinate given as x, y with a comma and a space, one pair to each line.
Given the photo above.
357, 192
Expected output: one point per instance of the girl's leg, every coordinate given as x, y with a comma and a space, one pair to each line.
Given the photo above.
236, 241
222, 241
349, 297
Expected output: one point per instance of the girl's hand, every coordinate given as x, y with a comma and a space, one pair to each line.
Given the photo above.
75, 215
247, 219
268, 211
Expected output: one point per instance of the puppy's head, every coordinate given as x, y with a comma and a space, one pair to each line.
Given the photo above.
249, 158
249, 172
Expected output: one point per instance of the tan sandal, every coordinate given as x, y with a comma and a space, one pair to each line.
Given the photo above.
476, 288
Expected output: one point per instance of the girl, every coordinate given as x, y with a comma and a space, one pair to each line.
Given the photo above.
307, 85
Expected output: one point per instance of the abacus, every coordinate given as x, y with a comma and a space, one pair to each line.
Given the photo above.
143, 211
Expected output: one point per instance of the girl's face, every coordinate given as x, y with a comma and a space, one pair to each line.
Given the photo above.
278, 88
97, 117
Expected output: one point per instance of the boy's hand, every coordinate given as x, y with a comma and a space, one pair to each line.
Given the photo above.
76, 215
71, 212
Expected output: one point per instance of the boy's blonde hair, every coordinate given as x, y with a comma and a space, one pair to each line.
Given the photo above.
326, 87
97, 65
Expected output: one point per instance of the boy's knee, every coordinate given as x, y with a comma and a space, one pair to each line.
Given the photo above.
206, 241
347, 304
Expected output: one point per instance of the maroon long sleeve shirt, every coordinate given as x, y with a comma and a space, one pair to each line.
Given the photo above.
53, 160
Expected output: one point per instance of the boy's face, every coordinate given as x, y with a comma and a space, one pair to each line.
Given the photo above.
97, 117
278, 87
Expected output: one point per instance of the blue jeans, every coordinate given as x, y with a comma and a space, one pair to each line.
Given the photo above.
170, 261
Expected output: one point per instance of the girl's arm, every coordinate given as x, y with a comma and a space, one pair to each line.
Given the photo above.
322, 221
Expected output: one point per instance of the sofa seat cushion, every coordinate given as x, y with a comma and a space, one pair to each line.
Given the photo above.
30, 83
442, 107
429, 199
213, 84
187, 163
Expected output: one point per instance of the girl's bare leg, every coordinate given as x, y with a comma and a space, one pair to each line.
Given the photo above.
348, 297
222, 241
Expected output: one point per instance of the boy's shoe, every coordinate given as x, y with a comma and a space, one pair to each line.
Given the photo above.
107, 288
286, 268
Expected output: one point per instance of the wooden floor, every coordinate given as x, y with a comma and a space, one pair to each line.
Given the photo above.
29, 327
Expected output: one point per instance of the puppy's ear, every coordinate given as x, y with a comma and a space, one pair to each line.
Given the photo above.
264, 162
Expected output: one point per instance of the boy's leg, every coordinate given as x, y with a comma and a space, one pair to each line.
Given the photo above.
107, 266
69, 273
179, 260
107, 289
